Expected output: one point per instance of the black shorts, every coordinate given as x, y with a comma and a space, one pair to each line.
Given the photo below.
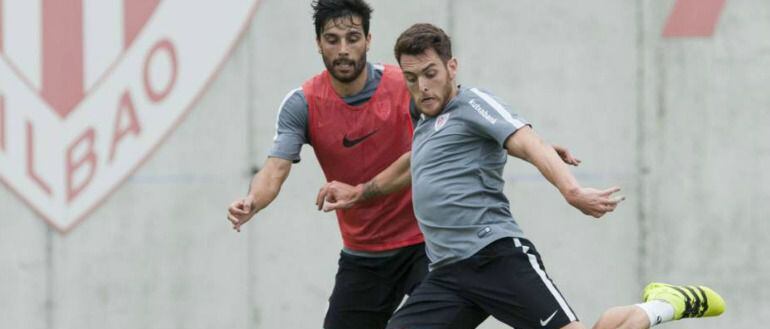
506, 279
368, 289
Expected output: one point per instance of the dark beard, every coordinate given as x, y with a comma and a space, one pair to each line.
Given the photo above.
358, 67
447, 93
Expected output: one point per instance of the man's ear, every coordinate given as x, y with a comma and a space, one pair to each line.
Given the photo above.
451, 65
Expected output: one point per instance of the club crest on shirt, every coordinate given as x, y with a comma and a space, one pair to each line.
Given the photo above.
441, 121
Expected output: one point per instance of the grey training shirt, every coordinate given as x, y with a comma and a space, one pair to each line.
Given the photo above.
457, 176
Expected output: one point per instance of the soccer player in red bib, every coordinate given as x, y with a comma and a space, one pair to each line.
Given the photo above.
356, 116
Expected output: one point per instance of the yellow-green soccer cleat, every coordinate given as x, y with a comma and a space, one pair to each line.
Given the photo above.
688, 301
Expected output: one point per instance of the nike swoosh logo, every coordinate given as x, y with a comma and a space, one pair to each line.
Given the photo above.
353, 142
545, 323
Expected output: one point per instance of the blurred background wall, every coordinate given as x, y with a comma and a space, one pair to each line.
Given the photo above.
680, 123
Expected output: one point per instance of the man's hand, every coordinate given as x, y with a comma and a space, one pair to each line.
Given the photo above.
241, 211
565, 155
336, 195
594, 202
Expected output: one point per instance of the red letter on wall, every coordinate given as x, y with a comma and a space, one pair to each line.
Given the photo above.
125, 110
693, 18
73, 165
31, 160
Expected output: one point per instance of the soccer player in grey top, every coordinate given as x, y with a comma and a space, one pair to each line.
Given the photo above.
481, 263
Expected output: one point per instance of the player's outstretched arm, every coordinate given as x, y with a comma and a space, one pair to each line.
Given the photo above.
263, 189
526, 145
337, 195
566, 155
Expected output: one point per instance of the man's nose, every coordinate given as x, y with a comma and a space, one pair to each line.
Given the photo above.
344, 48
422, 84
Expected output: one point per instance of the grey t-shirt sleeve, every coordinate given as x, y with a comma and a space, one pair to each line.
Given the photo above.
491, 117
291, 127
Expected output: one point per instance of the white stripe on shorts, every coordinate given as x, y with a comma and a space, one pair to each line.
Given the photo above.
547, 282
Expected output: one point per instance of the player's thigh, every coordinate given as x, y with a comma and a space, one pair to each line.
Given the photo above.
436, 306
511, 284
416, 271
362, 297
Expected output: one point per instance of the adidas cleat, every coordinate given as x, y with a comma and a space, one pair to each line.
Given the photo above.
688, 301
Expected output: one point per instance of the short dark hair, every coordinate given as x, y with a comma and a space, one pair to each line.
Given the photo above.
325, 10
420, 37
